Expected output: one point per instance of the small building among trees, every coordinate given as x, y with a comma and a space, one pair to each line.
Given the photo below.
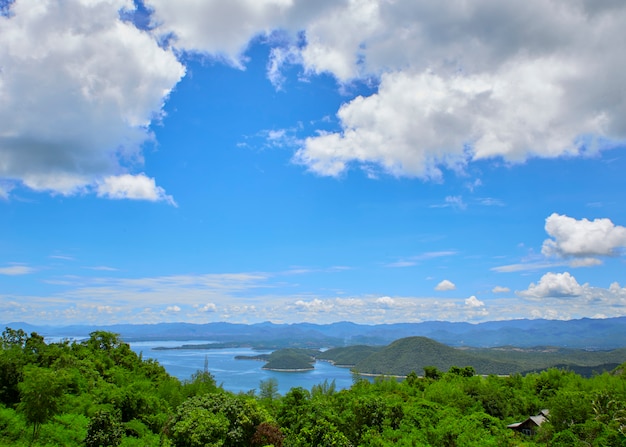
530, 425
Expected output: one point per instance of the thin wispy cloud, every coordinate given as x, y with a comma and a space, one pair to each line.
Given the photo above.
16, 270
417, 259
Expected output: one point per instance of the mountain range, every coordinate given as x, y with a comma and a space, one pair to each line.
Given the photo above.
585, 333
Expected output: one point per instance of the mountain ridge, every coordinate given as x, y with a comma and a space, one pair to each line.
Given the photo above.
584, 333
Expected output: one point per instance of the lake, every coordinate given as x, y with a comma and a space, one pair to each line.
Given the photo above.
236, 375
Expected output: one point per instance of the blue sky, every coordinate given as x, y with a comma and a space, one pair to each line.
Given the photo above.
277, 160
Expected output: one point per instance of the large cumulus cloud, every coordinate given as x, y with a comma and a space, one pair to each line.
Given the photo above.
78, 89
557, 285
570, 237
462, 81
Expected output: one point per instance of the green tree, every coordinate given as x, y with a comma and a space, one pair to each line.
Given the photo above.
325, 388
17, 350
13, 338
41, 392
467, 371
321, 434
412, 379
201, 382
569, 408
239, 413
268, 389
199, 427
294, 407
12, 363
104, 431
431, 372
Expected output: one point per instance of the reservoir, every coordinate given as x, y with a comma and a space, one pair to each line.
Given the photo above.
236, 375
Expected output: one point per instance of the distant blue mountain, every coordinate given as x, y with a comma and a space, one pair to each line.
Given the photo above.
586, 333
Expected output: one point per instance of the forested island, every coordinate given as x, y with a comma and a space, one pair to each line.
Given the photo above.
98, 392
289, 359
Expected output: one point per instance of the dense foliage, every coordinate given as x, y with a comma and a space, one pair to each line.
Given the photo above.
100, 393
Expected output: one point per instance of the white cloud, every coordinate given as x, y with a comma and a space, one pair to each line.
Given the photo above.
472, 301
385, 301
135, 187
172, 309
582, 238
110, 310
451, 202
584, 262
315, 305
78, 90
526, 266
103, 268
208, 307
414, 260
459, 83
399, 264
16, 270
350, 302
335, 40
555, 285
490, 201
445, 285
5, 189
222, 29
500, 289
456, 202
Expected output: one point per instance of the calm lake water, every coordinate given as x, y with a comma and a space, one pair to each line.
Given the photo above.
236, 375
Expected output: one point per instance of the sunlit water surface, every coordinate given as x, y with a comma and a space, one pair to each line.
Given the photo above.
236, 375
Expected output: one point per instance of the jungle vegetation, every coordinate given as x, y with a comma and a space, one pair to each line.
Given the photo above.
98, 392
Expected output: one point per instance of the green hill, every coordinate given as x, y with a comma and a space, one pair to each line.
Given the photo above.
414, 353
348, 356
291, 359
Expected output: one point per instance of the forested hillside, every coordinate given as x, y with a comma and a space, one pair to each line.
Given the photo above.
98, 392
414, 353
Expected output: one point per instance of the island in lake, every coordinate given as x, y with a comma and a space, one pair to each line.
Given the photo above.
289, 359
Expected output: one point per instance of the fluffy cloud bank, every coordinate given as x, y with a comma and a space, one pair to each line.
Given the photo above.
445, 285
555, 285
137, 187
582, 238
456, 81
561, 296
460, 82
472, 301
78, 89
576, 243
